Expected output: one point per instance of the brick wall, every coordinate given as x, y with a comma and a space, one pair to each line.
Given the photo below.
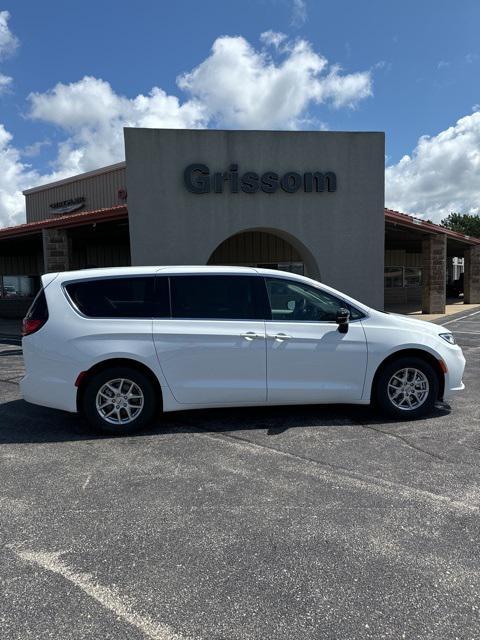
56, 250
434, 263
472, 275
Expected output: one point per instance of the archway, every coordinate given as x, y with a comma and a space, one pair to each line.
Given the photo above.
265, 248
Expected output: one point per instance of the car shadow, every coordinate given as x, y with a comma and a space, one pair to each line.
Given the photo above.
21, 422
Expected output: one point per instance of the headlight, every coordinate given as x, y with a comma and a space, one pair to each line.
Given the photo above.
448, 337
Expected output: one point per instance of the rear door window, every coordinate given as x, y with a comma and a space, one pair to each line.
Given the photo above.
129, 297
217, 297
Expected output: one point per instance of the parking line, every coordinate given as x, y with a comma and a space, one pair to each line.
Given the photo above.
469, 333
475, 313
106, 596
336, 474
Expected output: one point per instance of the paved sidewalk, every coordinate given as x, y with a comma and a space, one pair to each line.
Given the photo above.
451, 309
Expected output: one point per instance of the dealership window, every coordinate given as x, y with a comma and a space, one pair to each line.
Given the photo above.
406, 277
216, 297
134, 297
291, 267
19, 287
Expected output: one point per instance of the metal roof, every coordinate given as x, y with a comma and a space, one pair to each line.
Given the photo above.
63, 222
410, 222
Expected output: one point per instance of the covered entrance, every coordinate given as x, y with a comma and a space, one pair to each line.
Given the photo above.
421, 265
264, 249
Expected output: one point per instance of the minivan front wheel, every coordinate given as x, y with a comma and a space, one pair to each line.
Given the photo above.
119, 400
407, 388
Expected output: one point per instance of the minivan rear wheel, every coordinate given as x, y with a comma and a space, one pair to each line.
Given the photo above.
407, 388
119, 400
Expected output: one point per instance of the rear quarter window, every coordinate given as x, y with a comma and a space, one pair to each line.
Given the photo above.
39, 307
129, 297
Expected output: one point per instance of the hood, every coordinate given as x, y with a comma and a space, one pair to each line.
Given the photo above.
397, 320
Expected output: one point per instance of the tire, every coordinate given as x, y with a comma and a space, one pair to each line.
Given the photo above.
136, 398
391, 384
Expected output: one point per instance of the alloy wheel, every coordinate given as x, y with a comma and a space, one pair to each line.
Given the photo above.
119, 401
408, 389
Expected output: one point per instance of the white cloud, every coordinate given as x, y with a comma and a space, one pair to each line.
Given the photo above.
242, 87
273, 38
93, 116
32, 150
13, 177
299, 12
8, 42
441, 175
5, 82
12, 171
345, 90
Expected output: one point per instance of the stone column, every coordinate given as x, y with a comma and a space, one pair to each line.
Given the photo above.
472, 275
56, 250
434, 264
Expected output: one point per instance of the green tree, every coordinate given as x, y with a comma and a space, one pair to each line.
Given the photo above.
463, 223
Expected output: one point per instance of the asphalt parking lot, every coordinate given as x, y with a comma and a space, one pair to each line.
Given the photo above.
266, 524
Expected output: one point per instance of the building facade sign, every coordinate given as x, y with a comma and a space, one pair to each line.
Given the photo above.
198, 179
68, 206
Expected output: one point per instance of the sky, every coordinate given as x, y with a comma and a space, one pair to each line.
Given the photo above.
73, 74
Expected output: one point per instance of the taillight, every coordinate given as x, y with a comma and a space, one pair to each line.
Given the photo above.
30, 326
36, 316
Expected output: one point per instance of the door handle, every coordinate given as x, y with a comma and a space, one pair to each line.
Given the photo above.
251, 335
281, 336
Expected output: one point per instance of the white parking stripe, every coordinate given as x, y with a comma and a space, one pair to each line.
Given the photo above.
475, 313
106, 596
469, 333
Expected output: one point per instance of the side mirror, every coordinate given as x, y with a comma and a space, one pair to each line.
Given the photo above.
343, 316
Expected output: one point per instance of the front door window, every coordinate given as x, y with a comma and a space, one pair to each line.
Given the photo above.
298, 302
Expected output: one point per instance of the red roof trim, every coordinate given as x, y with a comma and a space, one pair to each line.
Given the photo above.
411, 222
63, 222
121, 212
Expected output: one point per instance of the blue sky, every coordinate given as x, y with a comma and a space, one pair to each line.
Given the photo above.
409, 68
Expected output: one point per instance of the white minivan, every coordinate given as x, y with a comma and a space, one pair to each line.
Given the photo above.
121, 344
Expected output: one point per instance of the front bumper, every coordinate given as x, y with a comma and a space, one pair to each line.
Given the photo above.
455, 362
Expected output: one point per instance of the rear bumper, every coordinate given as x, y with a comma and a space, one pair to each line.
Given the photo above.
49, 392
